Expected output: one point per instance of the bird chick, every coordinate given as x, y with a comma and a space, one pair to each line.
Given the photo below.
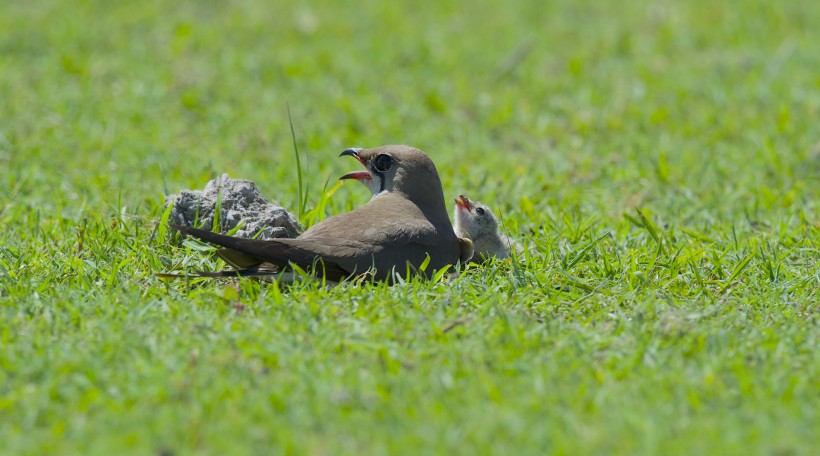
475, 221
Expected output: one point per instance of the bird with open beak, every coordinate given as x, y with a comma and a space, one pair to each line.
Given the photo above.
372, 178
478, 223
393, 234
378, 181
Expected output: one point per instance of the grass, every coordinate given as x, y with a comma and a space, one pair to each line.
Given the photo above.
661, 161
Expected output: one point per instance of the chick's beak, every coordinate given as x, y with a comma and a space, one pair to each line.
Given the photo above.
463, 202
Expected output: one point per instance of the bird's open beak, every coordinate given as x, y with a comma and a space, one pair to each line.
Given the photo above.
354, 152
358, 175
463, 202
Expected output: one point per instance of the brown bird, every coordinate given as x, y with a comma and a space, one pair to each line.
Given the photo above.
377, 186
477, 222
404, 222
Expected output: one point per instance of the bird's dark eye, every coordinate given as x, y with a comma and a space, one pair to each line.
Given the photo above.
480, 210
382, 163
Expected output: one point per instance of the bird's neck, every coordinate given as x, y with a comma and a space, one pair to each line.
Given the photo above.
426, 194
432, 205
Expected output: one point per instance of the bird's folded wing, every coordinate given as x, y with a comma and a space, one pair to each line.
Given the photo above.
387, 220
340, 258
335, 258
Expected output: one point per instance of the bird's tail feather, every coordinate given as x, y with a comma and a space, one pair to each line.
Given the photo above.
246, 249
208, 236
218, 274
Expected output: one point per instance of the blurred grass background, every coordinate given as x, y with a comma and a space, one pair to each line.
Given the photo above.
565, 116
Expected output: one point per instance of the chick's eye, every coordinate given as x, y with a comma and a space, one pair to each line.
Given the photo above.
382, 163
479, 210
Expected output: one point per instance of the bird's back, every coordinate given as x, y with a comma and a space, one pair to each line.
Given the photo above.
392, 231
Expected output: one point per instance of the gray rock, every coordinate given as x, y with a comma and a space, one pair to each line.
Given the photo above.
241, 202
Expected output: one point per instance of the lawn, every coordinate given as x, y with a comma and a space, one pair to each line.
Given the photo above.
660, 160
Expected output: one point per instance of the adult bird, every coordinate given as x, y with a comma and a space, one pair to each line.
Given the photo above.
403, 224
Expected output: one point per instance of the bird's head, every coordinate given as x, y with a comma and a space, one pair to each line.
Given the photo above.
473, 219
399, 169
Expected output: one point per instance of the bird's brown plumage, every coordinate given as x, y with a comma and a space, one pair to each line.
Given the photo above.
395, 232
